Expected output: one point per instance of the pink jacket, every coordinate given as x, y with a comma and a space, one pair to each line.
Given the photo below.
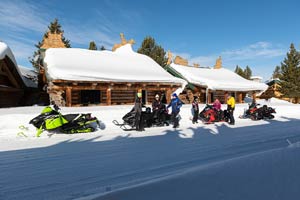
217, 105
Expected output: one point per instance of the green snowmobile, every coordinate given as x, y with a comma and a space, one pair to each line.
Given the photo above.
51, 119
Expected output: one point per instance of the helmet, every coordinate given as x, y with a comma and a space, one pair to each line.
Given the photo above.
174, 95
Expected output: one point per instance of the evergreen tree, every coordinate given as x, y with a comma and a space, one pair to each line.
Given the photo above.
151, 49
102, 48
290, 74
239, 71
54, 27
92, 46
276, 73
247, 73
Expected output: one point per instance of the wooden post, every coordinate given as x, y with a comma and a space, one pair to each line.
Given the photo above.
225, 97
254, 95
240, 97
69, 96
209, 97
108, 96
168, 95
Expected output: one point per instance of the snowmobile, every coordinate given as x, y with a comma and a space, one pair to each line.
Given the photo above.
257, 113
147, 117
52, 120
209, 115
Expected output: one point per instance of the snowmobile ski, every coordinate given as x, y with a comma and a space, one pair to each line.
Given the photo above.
115, 122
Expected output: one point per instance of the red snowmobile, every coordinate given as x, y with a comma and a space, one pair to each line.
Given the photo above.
210, 115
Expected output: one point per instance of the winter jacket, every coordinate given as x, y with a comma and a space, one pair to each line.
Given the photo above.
175, 104
195, 106
217, 105
231, 103
156, 105
138, 106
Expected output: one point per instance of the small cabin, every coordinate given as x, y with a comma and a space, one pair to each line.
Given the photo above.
81, 77
209, 84
12, 87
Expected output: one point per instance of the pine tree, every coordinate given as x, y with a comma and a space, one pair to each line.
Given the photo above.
102, 48
290, 74
54, 27
92, 46
239, 71
247, 73
151, 49
276, 73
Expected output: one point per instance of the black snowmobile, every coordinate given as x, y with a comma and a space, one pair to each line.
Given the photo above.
263, 112
258, 113
51, 119
147, 118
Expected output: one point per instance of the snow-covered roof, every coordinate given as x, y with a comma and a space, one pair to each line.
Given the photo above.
29, 76
5, 51
217, 79
256, 77
122, 65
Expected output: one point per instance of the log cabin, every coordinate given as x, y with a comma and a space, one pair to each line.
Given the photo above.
18, 85
81, 77
12, 87
211, 83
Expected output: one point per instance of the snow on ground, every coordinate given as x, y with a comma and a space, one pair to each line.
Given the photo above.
251, 160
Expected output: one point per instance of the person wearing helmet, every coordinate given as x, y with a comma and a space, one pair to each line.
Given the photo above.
195, 108
176, 105
139, 125
156, 107
230, 108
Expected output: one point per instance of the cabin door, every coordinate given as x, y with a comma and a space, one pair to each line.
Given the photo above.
90, 97
144, 96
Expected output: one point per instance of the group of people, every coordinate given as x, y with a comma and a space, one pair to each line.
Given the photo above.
159, 110
217, 107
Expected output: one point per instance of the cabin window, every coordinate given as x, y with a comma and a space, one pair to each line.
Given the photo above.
90, 97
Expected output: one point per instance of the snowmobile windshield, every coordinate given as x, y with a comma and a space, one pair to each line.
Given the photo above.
47, 109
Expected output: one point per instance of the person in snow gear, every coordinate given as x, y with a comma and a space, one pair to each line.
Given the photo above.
253, 104
257, 113
137, 119
156, 108
176, 105
217, 107
195, 108
139, 125
230, 108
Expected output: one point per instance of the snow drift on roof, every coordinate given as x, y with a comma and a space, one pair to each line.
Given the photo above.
122, 65
217, 79
5, 51
29, 77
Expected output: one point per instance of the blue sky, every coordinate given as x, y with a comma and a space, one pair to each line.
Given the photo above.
257, 33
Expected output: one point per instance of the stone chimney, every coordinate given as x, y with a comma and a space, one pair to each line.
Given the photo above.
123, 42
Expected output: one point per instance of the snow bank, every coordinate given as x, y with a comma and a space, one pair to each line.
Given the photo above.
218, 79
275, 101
